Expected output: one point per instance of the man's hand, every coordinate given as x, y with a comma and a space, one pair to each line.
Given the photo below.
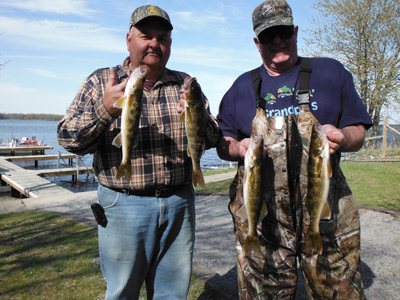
182, 101
348, 139
230, 149
112, 93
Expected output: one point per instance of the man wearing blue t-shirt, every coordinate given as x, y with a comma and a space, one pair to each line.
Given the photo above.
336, 104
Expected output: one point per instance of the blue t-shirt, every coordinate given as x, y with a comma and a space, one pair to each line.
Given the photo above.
333, 98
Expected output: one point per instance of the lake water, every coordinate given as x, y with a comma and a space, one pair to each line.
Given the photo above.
45, 131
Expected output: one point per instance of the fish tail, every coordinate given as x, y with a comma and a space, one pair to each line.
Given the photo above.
252, 243
313, 243
198, 178
124, 170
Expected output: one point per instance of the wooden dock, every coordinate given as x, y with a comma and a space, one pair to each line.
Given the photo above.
36, 158
31, 148
32, 183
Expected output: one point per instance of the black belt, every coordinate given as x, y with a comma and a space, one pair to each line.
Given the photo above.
161, 191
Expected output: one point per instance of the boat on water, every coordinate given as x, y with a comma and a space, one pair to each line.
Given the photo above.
14, 142
25, 145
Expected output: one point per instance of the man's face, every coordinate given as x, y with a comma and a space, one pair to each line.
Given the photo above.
278, 46
149, 44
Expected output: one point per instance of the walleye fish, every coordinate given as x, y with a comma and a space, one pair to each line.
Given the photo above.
193, 116
252, 191
319, 173
131, 105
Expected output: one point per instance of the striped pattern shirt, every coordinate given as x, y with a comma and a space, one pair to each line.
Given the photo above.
160, 156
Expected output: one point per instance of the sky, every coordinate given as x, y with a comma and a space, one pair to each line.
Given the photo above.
51, 46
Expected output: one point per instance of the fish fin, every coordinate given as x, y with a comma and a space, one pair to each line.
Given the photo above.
135, 141
182, 116
262, 212
313, 244
329, 169
319, 162
198, 178
117, 142
245, 175
252, 243
188, 115
124, 170
119, 103
241, 212
326, 212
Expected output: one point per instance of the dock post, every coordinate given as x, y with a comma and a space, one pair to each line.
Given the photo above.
77, 168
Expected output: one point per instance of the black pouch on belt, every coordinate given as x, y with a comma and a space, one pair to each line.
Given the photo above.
98, 212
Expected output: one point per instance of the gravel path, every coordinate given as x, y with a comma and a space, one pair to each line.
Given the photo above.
214, 255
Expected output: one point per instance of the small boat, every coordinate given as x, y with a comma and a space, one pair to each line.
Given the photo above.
33, 142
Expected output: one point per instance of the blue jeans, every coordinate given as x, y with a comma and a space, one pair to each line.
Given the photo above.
147, 239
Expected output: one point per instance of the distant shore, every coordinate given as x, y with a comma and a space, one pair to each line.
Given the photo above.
42, 117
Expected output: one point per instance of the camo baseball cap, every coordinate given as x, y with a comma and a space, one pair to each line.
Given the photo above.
146, 11
271, 13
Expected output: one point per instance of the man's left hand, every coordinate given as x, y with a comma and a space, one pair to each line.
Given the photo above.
182, 102
348, 139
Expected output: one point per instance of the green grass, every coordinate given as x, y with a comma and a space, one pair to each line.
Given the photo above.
374, 183
218, 171
215, 187
46, 256
49, 256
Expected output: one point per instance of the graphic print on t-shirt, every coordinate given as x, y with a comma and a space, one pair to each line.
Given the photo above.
284, 92
283, 102
270, 99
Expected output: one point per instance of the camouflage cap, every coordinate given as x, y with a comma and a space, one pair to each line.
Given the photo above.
271, 13
146, 11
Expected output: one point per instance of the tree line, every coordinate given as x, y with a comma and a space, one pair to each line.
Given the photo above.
43, 117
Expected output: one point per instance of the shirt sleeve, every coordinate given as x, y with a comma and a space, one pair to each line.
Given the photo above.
226, 115
86, 118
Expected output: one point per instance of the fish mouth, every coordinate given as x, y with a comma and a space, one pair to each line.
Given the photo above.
142, 70
188, 81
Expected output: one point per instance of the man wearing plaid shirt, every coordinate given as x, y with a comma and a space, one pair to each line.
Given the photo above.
149, 235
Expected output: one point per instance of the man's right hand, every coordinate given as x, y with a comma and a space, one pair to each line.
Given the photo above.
230, 149
112, 93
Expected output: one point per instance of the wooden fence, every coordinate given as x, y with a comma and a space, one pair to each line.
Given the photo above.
384, 135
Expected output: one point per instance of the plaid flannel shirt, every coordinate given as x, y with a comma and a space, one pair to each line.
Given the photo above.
160, 157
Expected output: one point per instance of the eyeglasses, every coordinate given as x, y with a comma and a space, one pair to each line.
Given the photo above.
268, 35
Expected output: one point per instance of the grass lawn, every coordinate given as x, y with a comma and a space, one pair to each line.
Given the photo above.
374, 183
49, 256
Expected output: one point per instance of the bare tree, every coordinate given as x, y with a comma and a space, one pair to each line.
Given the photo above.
365, 36
2, 64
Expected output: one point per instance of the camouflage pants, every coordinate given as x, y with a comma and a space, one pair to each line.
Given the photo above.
273, 275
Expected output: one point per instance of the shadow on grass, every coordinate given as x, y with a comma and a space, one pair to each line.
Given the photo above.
45, 255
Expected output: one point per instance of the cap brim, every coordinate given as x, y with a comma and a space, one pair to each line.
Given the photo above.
167, 24
275, 22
